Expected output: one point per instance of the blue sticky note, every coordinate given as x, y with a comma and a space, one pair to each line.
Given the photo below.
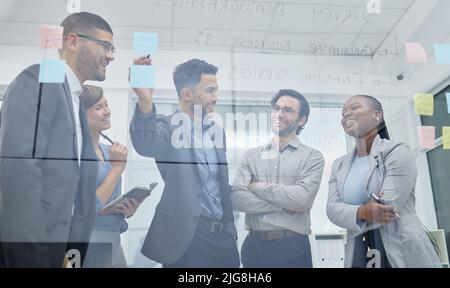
447, 95
145, 43
142, 76
52, 71
442, 53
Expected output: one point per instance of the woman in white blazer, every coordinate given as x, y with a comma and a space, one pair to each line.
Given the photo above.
387, 169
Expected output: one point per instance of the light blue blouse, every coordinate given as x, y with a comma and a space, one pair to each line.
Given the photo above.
112, 222
354, 191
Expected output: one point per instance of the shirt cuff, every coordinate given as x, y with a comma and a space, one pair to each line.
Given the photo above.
359, 223
143, 116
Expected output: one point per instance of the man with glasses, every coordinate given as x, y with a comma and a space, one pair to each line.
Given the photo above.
47, 176
275, 186
107, 46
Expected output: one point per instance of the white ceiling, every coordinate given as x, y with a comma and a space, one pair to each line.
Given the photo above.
220, 25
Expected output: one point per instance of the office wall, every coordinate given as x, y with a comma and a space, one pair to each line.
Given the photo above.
324, 80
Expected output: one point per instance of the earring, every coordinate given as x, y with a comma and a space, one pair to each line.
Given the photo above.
376, 121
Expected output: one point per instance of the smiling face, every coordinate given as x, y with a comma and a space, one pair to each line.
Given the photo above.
92, 58
205, 93
358, 117
99, 116
285, 116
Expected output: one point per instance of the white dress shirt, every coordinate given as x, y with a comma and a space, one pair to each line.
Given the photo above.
75, 90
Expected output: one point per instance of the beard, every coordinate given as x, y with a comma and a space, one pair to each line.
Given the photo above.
90, 66
286, 131
195, 109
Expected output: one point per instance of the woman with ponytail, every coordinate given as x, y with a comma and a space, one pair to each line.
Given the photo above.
112, 162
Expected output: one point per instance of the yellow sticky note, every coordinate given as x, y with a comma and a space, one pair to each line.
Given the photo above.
424, 104
446, 137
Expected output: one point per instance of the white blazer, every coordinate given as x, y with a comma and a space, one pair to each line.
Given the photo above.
392, 169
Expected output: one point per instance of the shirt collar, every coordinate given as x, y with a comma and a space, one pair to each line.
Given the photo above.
74, 84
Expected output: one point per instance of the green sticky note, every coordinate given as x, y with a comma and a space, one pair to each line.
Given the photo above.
424, 104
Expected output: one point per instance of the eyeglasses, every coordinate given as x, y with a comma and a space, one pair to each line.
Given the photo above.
286, 110
107, 46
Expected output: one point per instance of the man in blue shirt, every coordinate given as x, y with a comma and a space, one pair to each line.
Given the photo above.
193, 224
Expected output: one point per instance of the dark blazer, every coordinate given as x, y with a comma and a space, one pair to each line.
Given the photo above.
40, 192
177, 213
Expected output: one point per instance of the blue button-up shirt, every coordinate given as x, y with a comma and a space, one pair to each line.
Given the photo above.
208, 168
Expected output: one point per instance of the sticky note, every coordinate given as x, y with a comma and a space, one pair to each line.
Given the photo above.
52, 71
145, 43
426, 136
415, 53
446, 137
442, 53
424, 104
51, 37
142, 76
447, 95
